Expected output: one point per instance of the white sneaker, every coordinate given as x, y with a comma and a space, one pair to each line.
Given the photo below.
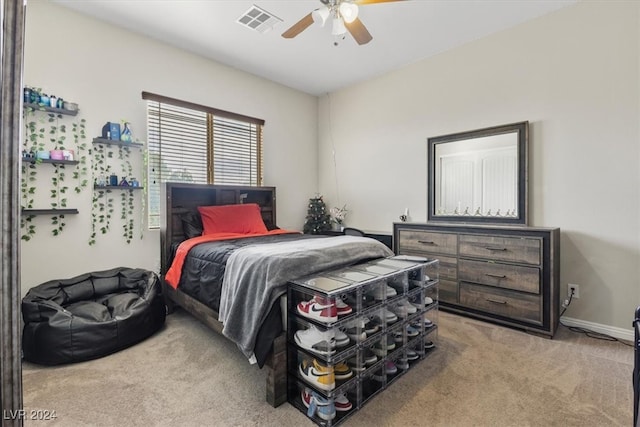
389, 316
408, 306
322, 343
399, 310
341, 338
378, 292
342, 308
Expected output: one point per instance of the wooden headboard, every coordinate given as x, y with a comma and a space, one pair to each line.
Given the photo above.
179, 198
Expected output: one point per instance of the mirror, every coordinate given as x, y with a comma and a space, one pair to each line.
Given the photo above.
479, 176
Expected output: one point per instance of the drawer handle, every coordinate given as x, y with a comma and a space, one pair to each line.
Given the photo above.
493, 248
497, 276
496, 302
426, 242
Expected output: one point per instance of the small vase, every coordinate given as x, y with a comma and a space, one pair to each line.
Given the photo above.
125, 135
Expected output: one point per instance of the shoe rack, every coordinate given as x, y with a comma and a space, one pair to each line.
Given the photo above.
354, 331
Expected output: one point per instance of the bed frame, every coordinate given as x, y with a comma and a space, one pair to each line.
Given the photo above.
180, 198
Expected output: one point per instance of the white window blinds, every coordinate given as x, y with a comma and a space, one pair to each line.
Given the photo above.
196, 144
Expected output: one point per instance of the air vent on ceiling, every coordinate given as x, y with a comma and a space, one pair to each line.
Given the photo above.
258, 19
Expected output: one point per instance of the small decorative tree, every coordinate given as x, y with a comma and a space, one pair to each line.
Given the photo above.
318, 219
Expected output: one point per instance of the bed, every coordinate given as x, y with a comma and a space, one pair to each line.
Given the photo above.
244, 261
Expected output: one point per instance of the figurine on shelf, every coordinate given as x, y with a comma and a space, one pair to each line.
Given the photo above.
123, 183
125, 134
101, 181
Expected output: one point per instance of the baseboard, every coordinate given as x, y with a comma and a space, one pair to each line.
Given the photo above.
619, 333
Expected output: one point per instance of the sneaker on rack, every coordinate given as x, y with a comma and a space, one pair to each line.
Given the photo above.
412, 354
312, 339
355, 330
382, 291
408, 306
323, 379
369, 357
389, 316
379, 348
402, 363
428, 345
342, 339
390, 367
342, 403
427, 301
375, 323
318, 308
391, 343
398, 337
371, 326
322, 406
342, 371
412, 331
355, 365
342, 308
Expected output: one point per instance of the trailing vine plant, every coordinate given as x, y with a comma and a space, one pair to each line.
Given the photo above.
102, 201
127, 199
37, 126
58, 190
79, 137
33, 142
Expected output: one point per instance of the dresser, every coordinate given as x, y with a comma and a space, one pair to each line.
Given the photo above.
505, 274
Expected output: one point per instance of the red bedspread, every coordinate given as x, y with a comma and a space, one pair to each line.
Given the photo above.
175, 271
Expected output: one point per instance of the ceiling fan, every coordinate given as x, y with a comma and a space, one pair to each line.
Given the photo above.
344, 17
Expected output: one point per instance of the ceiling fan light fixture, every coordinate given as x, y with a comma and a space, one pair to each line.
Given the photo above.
320, 15
348, 11
338, 27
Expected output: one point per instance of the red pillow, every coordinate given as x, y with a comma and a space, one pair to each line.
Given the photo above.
244, 219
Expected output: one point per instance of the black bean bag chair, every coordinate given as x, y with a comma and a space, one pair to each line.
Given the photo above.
91, 315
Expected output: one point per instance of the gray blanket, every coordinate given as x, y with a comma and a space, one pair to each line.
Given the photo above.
256, 276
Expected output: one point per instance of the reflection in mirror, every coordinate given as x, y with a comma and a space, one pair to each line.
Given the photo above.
479, 176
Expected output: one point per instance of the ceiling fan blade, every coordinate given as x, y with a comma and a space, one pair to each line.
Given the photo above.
298, 27
363, 2
359, 31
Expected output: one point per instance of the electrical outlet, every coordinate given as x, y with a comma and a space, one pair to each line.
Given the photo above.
574, 290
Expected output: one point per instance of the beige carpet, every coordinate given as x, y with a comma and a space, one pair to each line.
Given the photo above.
480, 375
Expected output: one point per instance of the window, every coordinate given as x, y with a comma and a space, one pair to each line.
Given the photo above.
197, 144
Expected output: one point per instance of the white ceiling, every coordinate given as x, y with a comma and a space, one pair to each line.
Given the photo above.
403, 32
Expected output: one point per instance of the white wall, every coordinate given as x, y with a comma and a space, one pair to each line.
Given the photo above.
104, 69
574, 75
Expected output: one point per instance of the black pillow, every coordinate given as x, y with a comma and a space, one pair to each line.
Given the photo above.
191, 224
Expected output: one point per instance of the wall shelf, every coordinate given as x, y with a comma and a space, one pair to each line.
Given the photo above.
116, 142
52, 161
116, 187
49, 211
42, 107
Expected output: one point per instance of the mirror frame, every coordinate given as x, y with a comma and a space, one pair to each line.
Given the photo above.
522, 130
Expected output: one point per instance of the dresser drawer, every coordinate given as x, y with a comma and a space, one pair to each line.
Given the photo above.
512, 249
417, 241
517, 277
448, 291
448, 267
503, 302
